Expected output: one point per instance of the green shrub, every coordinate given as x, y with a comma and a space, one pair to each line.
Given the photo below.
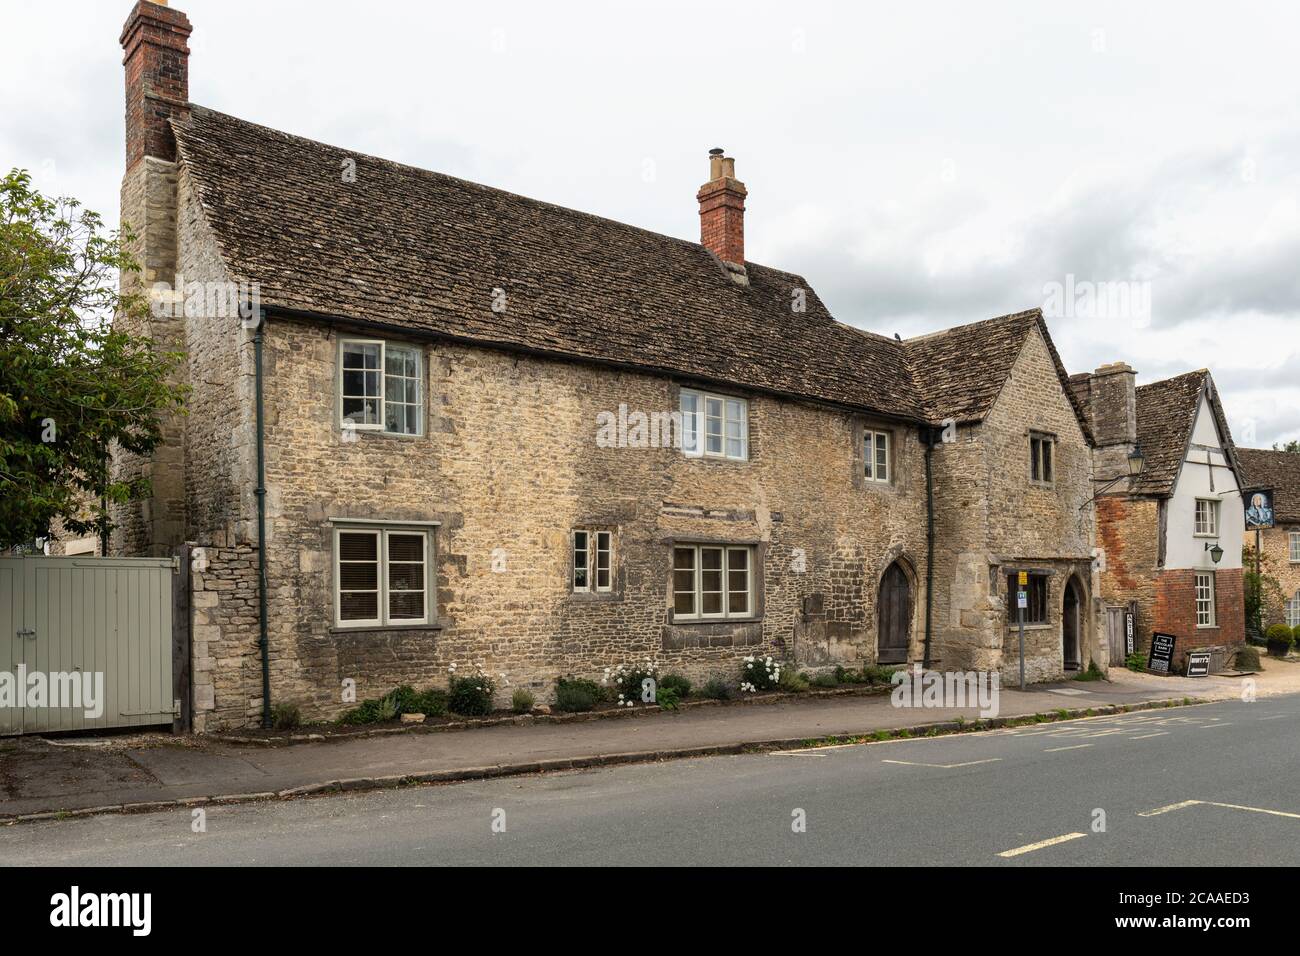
1248, 659
825, 680
521, 701
845, 676
574, 694
431, 703
792, 682
1280, 640
759, 673
470, 696
285, 716
715, 688
676, 683
1136, 662
667, 698
877, 674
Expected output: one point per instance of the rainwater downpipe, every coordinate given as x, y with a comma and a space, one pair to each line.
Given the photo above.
927, 436
260, 491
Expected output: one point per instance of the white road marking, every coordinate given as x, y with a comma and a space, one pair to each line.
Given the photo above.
1275, 717
1208, 726
1211, 803
1159, 733
943, 766
1031, 847
1054, 750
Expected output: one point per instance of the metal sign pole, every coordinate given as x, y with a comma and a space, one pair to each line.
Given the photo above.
1022, 599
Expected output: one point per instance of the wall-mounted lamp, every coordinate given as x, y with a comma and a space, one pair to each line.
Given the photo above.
1136, 461
1216, 552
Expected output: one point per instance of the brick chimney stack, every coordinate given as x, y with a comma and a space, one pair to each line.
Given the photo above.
1112, 412
154, 40
722, 210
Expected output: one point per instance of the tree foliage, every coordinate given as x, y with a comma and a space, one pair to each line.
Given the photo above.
73, 384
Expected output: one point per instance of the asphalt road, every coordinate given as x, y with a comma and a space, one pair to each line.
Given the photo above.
1202, 786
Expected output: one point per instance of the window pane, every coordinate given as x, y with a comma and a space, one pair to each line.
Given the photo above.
684, 602
869, 454
406, 605
713, 426
690, 431
882, 457
1047, 461
358, 575
581, 579
358, 606
738, 581
710, 580
603, 560
684, 558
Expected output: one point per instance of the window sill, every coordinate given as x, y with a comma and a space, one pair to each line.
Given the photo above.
377, 433
685, 622
1207, 627
373, 628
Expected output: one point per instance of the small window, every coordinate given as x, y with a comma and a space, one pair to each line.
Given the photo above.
1293, 611
380, 386
714, 426
382, 576
1205, 610
875, 455
712, 581
1294, 538
1042, 467
1207, 517
593, 561
1036, 598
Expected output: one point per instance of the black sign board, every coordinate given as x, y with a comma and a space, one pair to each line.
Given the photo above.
1198, 663
1162, 653
1128, 633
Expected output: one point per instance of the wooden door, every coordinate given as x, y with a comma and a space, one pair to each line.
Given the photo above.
893, 616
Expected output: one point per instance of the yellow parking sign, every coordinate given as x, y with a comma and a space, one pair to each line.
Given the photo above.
1024, 578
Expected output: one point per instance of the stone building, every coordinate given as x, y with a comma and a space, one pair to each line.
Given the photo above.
1279, 546
1169, 538
449, 424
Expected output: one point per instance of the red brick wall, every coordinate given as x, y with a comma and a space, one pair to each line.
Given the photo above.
1128, 531
1175, 613
722, 219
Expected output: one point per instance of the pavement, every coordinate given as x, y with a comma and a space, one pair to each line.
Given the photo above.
1210, 785
107, 774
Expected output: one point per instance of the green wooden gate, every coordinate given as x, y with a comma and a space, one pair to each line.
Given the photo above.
97, 632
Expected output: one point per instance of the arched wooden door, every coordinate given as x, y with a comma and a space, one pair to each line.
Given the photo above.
1070, 620
893, 616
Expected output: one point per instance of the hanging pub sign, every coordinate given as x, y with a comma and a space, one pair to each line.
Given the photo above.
1162, 653
1198, 663
1259, 509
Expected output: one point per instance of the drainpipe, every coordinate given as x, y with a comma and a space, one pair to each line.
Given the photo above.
262, 641
927, 436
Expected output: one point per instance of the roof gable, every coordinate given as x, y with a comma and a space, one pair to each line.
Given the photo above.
961, 372
1166, 416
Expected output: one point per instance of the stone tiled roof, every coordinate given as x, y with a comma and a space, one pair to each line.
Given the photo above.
1279, 470
961, 371
1166, 415
411, 248
414, 249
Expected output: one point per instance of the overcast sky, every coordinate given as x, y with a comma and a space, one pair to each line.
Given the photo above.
923, 165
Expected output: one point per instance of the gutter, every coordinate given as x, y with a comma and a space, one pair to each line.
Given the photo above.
263, 642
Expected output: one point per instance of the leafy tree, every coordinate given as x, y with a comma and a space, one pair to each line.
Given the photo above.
73, 385
1292, 446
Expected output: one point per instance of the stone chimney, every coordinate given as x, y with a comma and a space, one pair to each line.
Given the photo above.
156, 59
722, 211
156, 64
1112, 413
